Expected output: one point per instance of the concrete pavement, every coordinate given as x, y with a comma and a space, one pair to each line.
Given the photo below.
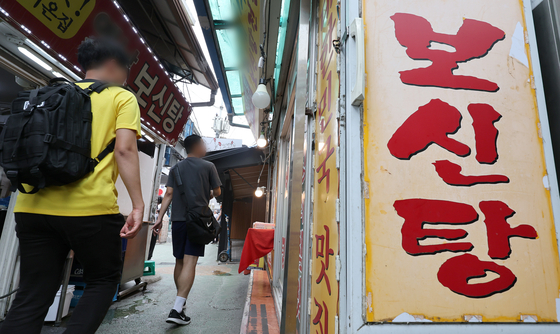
215, 304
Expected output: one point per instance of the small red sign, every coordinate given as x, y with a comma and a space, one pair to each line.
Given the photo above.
164, 108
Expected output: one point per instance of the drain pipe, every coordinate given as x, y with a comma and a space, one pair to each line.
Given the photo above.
230, 119
208, 103
211, 103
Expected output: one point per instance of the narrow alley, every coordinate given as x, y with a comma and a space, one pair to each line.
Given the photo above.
215, 304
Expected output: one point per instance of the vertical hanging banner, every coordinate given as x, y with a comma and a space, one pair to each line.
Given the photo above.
324, 285
458, 218
249, 11
59, 26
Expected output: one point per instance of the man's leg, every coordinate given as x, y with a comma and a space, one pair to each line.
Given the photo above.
177, 271
97, 245
43, 252
186, 277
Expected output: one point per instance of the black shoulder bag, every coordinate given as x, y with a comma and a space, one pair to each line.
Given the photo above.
202, 228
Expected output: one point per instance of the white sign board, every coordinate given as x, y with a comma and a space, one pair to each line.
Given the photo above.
218, 144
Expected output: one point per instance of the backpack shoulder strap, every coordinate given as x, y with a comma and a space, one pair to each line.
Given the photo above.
179, 183
99, 86
110, 148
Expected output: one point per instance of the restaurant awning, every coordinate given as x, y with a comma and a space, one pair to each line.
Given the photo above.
220, 25
167, 28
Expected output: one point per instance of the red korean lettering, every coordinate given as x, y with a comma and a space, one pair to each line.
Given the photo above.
325, 103
324, 250
323, 325
473, 40
326, 43
456, 272
430, 124
485, 132
499, 231
252, 18
451, 174
418, 212
325, 172
300, 272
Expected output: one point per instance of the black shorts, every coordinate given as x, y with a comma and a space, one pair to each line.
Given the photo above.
181, 244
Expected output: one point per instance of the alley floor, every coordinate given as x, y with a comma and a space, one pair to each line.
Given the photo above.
216, 302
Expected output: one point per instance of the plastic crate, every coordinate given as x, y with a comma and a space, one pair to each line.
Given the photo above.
149, 268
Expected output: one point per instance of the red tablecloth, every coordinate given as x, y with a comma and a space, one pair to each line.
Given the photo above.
258, 243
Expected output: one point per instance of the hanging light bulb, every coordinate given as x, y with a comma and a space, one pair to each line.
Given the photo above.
261, 142
261, 99
259, 192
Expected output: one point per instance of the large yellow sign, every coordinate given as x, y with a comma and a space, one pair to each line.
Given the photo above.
62, 17
459, 222
250, 74
324, 286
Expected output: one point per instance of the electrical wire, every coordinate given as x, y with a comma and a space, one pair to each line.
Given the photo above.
9, 294
264, 164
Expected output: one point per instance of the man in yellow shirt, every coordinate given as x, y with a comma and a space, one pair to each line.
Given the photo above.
84, 215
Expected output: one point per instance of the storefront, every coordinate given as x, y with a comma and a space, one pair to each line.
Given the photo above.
39, 41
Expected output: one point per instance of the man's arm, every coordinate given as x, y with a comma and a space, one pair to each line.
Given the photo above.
216, 192
126, 155
164, 205
215, 182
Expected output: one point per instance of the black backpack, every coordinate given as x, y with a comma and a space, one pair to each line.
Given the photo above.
47, 138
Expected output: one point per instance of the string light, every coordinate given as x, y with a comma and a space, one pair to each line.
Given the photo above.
25, 29
4, 12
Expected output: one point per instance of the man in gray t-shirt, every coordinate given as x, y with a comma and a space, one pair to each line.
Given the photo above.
199, 178
200, 183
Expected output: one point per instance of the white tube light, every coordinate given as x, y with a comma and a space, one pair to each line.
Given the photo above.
34, 58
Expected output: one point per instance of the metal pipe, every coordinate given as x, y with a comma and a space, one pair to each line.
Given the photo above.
207, 103
230, 119
288, 322
9, 246
64, 289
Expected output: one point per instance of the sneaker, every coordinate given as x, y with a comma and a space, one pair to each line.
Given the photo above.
178, 318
